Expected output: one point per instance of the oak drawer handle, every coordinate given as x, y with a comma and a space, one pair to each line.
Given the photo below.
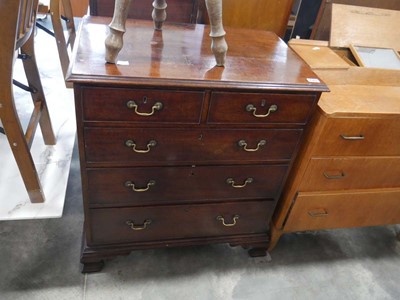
131, 184
132, 144
156, 107
234, 219
132, 225
239, 186
318, 213
243, 144
353, 138
253, 109
340, 176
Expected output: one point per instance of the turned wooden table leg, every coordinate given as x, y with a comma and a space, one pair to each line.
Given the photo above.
159, 14
218, 44
114, 40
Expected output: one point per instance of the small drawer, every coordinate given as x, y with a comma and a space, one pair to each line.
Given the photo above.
258, 108
165, 185
327, 174
315, 211
141, 105
150, 146
360, 136
139, 224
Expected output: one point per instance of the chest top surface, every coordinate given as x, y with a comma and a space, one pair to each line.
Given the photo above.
361, 100
180, 56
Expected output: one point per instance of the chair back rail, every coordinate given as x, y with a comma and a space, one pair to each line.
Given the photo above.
27, 18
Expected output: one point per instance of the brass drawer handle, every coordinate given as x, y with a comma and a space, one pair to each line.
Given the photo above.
242, 143
340, 176
234, 219
353, 138
132, 105
132, 144
138, 227
131, 184
253, 109
318, 213
232, 182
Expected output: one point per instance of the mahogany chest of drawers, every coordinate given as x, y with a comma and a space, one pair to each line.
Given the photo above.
175, 151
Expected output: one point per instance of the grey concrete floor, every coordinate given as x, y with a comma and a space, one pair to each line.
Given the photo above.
39, 259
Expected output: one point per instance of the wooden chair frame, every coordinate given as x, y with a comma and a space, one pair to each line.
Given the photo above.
60, 11
62, 42
18, 23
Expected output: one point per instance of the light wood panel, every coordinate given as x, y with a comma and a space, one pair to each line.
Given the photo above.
360, 76
319, 57
316, 211
79, 7
363, 136
346, 173
182, 11
364, 26
345, 73
257, 14
322, 26
361, 99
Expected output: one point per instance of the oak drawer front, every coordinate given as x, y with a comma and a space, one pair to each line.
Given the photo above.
325, 174
360, 136
178, 221
152, 145
313, 211
141, 106
150, 186
254, 108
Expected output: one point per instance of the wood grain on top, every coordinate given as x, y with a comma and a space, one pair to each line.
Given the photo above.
319, 57
364, 26
361, 99
180, 56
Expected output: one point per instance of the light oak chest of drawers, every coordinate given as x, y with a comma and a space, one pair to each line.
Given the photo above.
175, 151
347, 174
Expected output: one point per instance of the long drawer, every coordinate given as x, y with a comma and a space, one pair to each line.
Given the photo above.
360, 136
163, 185
315, 211
325, 174
156, 145
139, 224
141, 105
260, 108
